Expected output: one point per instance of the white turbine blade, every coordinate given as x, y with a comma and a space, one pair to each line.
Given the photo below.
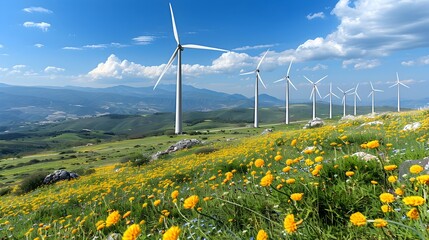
370, 93
176, 36
260, 79
372, 87
341, 90
317, 90
311, 94
167, 66
327, 95
333, 94
247, 73
357, 95
397, 76
318, 81
351, 89
308, 80
291, 84
356, 87
393, 85
378, 90
282, 79
262, 59
404, 85
195, 46
288, 70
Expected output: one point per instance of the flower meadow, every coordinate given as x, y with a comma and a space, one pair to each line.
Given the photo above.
295, 184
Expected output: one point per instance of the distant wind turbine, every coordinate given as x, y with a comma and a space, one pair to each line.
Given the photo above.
258, 78
373, 90
330, 94
288, 81
344, 101
178, 53
397, 84
313, 93
356, 95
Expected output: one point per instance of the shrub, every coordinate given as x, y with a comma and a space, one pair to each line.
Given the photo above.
83, 171
205, 150
32, 181
5, 191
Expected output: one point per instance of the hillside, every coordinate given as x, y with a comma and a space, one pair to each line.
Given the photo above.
293, 183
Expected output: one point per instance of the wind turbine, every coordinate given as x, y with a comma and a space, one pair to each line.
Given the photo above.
356, 96
330, 94
397, 84
313, 93
373, 90
288, 81
178, 53
258, 78
344, 99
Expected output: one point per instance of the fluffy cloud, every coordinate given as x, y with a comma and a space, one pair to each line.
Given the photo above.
51, 69
3, 69
316, 68
143, 40
95, 46
42, 25
361, 63
36, 9
39, 45
420, 61
72, 48
1, 46
312, 16
254, 47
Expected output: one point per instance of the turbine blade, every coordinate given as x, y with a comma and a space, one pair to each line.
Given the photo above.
333, 94
372, 92
372, 87
195, 46
260, 79
318, 81
292, 84
351, 89
167, 66
356, 87
378, 90
341, 90
397, 76
393, 85
247, 73
311, 94
317, 90
282, 79
357, 95
327, 95
262, 59
308, 80
288, 70
176, 36
404, 85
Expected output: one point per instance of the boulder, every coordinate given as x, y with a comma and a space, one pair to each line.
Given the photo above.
404, 168
314, 123
374, 123
59, 175
364, 156
182, 144
412, 126
266, 131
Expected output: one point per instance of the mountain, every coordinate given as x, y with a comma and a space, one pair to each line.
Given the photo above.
34, 104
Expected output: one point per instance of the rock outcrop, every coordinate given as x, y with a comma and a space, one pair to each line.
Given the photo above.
59, 175
314, 123
182, 144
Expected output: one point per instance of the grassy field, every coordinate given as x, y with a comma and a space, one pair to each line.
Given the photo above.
291, 184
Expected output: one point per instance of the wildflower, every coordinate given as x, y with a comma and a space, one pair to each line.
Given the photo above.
157, 202
259, 163
413, 214
318, 159
374, 182
191, 202
172, 233
414, 201
392, 179
387, 198
267, 180
308, 151
286, 169
379, 223
113, 218
280, 186
350, 173
290, 181
390, 167
416, 169
131, 199
363, 145
74, 231
174, 194
262, 235
293, 143
101, 226
126, 214
386, 208
228, 176
399, 191
296, 196
278, 158
144, 205
373, 144
289, 223
423, 179
289, 162
358, 219
132, 232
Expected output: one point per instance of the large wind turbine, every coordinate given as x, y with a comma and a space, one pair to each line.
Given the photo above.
356, 95
258, 78
373, 90
344, 99
178, 53
313, 93
288, 81
397, 84
330, 94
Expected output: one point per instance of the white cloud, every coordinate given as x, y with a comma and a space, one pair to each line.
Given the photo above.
1, 46
254, 47
20, 66
3, 69
39, 45
72, 48
95, 46
316, 68
420, 61
312, 16
144, 40
42, 25
36, 9
361, 63
118, 45
51, 69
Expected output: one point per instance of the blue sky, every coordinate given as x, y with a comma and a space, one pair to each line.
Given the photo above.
128, 42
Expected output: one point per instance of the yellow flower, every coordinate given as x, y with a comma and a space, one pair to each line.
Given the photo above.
290, 181
228, 176
191, 202
308, 151
267, 180
289, 162
423, 179
174, 194
131, 199
259, 162
132, 232
390, 167
387, 198
171, 234
373, 144
101, 226
157, 202
363, 145
126, 214
289, 223
379, 223
386, 208
416, 169
350, 173
414, 201
293, 143
413, 214
296, 196
392, 179
399, 191
113, 218
374, 182
286, 169
262, 235
144, 205
318, 159
358, 219
278, 158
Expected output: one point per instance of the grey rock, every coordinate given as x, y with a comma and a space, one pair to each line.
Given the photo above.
412, 126
59, 175
404, 168
182, 144
266, 131
314, 123
114, 236
374, 123
364, 156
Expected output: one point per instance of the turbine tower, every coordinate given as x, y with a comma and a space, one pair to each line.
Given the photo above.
330, 94
373, 90
313, 93
258, 78
397, 84
178, 52
344, 99
356, 95
288, 81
